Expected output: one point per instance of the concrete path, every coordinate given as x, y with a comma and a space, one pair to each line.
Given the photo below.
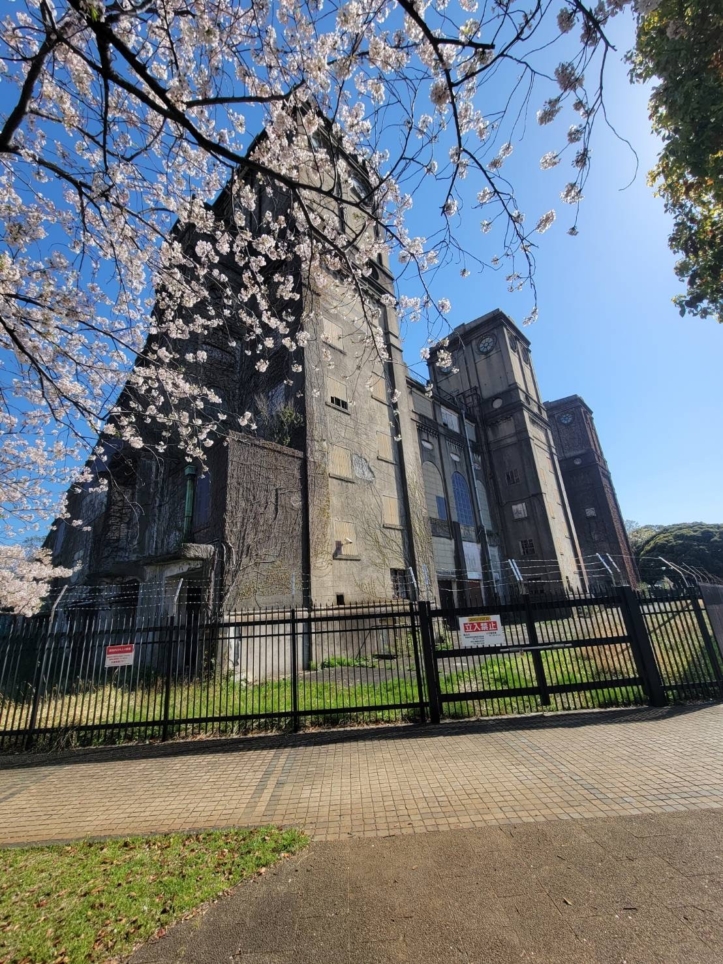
377, 781
618, 890
591, 839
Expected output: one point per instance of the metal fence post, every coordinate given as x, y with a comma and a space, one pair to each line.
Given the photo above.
294, 676
533, 640
417, 667
430, 662
707, 641
38, 681
642, 648
169, 675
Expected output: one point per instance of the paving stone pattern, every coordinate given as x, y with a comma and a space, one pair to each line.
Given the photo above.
626, 890
377, 782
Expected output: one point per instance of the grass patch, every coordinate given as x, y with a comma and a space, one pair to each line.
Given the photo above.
331, 662
90, 901
600, 664
217, 697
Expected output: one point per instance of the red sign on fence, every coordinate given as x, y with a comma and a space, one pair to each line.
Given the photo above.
488, 626
119, 655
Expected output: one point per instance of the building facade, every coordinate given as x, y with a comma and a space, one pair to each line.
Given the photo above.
493, 379
353, 482
589, 486
320, 501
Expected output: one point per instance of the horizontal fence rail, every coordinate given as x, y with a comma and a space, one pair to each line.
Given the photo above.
557, 655
89, 678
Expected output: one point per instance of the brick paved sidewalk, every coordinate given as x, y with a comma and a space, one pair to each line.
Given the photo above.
377, 782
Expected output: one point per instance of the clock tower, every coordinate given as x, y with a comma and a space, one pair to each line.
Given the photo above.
590, 491
493, 375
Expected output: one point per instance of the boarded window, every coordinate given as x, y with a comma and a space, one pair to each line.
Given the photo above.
379, 388
333, 334
337, 394
385, 449
340, 462
434, 491
472, 560
450, 419
344, 540
519, 510
390, 511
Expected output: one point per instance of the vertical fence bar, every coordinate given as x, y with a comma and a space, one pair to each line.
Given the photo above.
430, 662
294, 676
536, 655
38, 682
707, 641
169, 634
417, 666
641, 646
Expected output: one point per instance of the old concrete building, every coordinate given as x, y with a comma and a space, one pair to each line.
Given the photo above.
595, 511
322, 503
492, 378
355, 483
465, 541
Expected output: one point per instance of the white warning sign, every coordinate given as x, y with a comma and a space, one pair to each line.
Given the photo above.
483, 630
119, 655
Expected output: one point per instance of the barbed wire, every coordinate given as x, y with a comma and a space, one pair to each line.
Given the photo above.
282, 588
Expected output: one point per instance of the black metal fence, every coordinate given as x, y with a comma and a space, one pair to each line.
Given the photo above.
112, 677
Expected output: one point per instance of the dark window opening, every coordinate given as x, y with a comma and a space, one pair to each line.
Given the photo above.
400, 584
340, 599
447, 602
340, 403
130, 594
512, 477
527, 547
191, 649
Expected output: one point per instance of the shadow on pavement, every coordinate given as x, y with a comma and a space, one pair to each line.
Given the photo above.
326, 737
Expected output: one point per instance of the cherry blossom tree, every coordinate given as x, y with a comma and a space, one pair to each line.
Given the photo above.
131, 179
26, 574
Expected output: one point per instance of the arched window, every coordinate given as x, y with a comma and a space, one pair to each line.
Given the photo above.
465, 515
434, 491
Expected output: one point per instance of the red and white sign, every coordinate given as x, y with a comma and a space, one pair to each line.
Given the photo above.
119, 655
483, 630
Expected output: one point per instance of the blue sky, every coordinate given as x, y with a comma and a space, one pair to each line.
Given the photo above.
607, 328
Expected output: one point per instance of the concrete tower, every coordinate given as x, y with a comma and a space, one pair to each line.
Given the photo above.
492, 371
589, 486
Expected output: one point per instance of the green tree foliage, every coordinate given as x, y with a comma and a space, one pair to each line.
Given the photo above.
698, 545
680, 45
638, 534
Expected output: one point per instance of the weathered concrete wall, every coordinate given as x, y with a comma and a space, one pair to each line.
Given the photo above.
263, 526
356, 425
